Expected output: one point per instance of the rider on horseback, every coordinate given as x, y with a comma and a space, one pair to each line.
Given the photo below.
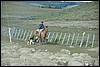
41, 27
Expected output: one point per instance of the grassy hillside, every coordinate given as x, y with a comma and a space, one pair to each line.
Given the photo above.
24, 16
19, 10
88, 11
24, 10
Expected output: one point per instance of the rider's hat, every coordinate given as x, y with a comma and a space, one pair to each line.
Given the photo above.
41, 21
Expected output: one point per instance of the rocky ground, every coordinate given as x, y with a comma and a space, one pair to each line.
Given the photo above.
12, 54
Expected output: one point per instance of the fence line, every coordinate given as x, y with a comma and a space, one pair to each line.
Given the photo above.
82, 40
21, 33
49, 35
56, 37
15, 33
18, 33
53, 37
60, 37
93, 40
10, 34
24, 35
77, 39
63, 38
87, 40
68, 38
27, 35
30, 34
72, 38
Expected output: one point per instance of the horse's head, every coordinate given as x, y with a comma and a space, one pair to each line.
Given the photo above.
46, 29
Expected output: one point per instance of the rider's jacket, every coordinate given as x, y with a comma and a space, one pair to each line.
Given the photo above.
41, 26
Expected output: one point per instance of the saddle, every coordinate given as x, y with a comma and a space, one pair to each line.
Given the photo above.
38, 33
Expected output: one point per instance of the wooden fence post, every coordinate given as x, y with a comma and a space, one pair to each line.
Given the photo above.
18, 33
63, 38
60, 37
82, 40
72, 38
24, 35
27, 34
30, 35
21, 33
15, 33
56, 37
10, 34
87, 40
68, 38
77, 39
52, 36
49, 35
93, 40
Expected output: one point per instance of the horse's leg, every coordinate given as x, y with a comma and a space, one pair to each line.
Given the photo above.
42, 40
39, 38
45, 40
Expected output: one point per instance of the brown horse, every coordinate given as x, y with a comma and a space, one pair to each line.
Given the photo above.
41, 37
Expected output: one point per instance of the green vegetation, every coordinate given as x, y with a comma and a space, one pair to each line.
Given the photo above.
88, 11
27, 17
23, 16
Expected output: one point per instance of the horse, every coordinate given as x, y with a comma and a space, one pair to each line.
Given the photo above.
40, 37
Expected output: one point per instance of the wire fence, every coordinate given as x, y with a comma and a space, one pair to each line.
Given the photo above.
58, 38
